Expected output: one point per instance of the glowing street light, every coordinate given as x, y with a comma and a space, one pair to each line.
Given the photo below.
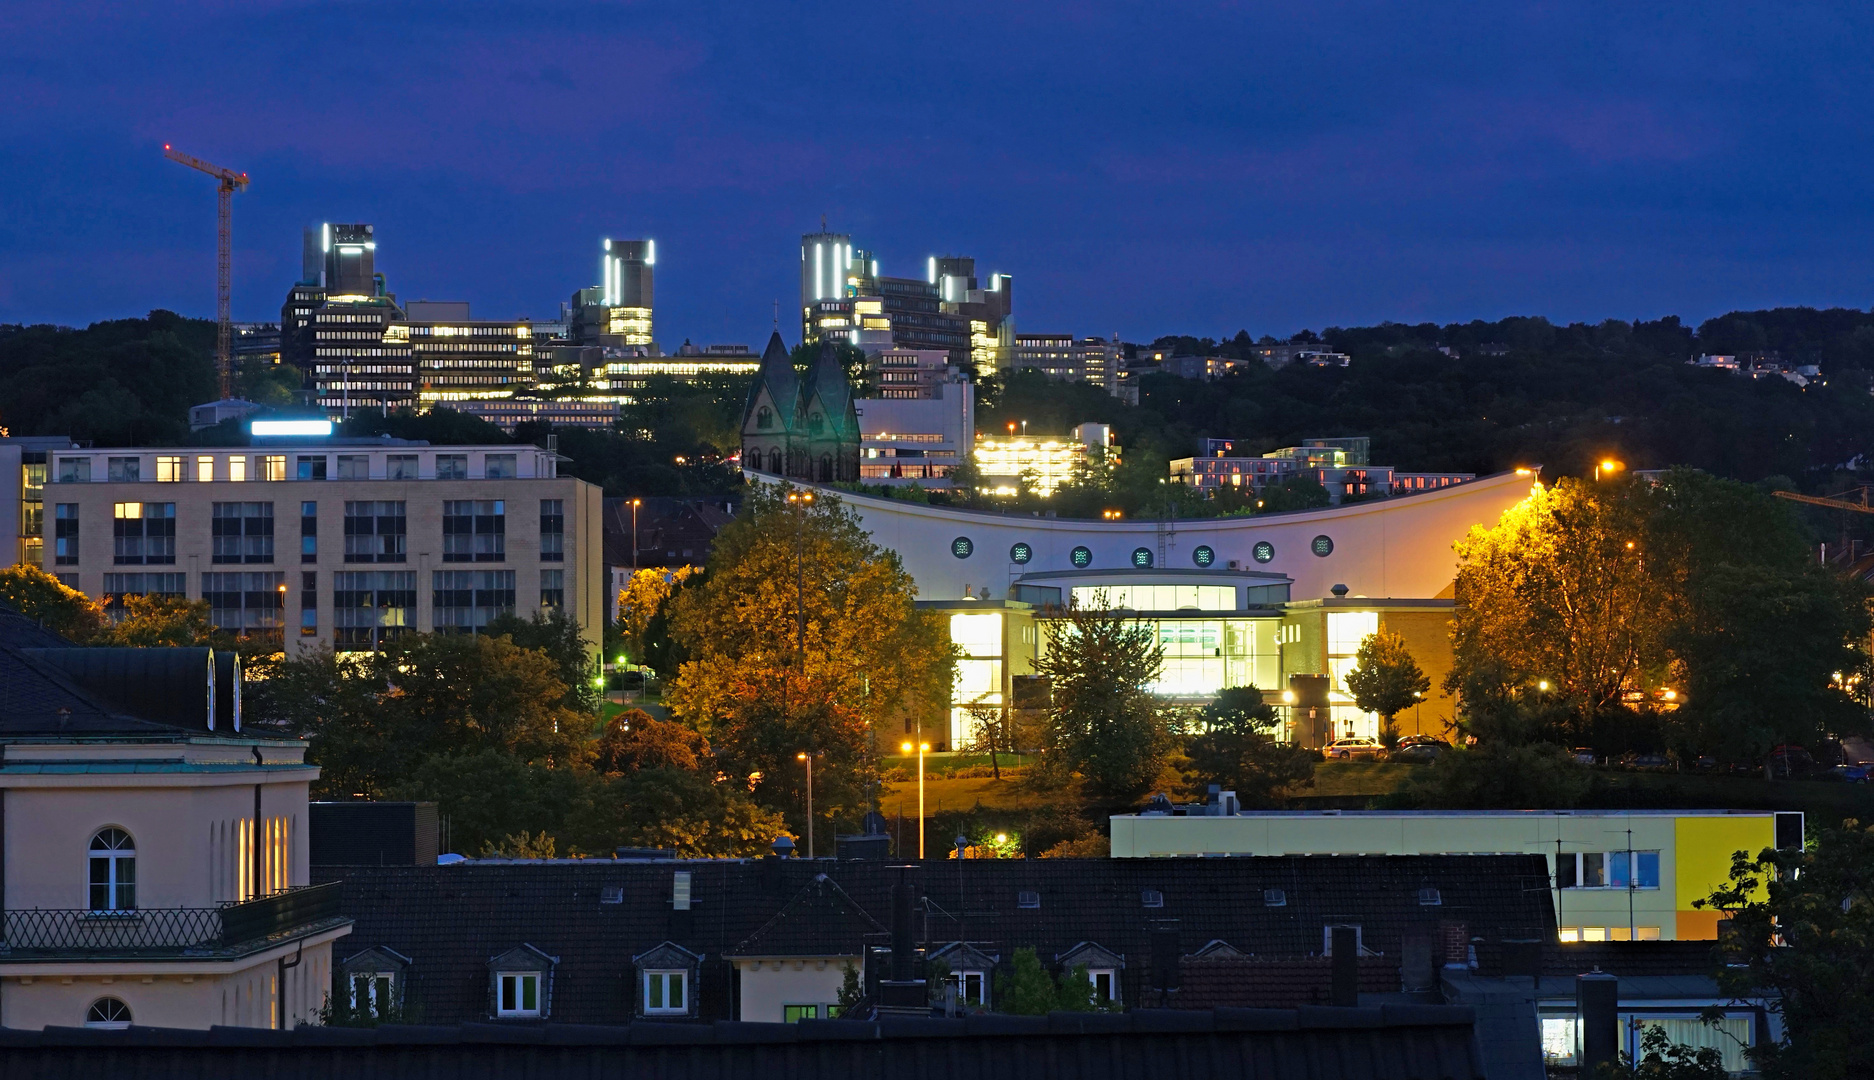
808, 758
1607, 466
922, 749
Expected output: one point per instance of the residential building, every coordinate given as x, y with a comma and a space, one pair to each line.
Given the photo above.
1282, 354
919, 440
1615, 875
1341, 465
908, 373
22, 510
328, 543
509, 413
801, 429
1206, 368
154, 853
1048, 461
1066, 358
769, 940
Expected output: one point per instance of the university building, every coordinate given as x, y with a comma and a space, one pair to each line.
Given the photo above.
323, 543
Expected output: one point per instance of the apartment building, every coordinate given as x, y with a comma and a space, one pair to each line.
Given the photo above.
323, 543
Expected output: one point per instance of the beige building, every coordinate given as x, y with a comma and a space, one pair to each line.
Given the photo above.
153, 860
321, 543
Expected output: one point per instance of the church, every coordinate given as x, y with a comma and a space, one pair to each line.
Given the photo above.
801, 429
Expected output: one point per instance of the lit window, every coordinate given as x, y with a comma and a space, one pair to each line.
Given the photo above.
204, 469
273, 467
113, 871
519, 993
168, 470
666, 992
237, 468
792, 1013
109, 1014
1569, 934
1594, 933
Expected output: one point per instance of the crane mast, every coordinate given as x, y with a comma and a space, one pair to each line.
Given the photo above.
227, 183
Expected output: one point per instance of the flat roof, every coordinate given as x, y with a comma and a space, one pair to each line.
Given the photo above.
1460, 814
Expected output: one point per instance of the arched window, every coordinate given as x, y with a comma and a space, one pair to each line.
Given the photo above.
826, 468
764, 418
815, 423
108, 1013
774, 460
113, 872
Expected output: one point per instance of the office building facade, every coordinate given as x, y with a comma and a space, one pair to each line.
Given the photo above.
1005, 462
917, 439
1341, 465
1066, 358
329, 545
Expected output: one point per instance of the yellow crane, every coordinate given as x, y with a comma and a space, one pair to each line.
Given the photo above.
1835, 502
229, 183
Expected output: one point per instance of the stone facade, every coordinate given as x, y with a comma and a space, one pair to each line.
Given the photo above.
805, 430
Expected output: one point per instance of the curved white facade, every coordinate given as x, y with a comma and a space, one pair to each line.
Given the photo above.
1400, 547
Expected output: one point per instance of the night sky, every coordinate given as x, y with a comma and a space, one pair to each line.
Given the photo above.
1139, 168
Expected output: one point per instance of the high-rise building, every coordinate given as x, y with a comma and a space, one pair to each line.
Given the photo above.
843, 297
1066, 358
617, 312
337, 262
825, 260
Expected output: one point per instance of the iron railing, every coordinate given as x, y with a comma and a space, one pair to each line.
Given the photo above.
153, 932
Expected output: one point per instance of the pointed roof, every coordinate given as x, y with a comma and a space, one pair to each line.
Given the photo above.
827, 383
820, 920
777, 374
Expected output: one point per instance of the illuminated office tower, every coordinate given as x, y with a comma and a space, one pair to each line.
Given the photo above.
826, 259
626, 290
350, 260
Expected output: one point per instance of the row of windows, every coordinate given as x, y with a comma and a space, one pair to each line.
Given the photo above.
144, 533
240, 468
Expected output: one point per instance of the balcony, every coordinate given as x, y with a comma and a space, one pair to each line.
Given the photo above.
170, 933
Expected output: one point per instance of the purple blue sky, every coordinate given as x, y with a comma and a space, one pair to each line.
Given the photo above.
1140, 168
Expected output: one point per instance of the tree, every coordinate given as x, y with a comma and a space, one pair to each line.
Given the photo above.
803, 636
1294, 493
1385, 679
489, 797
636, 740
696, 816
1499, 776
642, 600
1801, 942
49, 602
1103, 721
151, 621
557, 635
851, 991
1027, 989
1663, 1059
1238, 750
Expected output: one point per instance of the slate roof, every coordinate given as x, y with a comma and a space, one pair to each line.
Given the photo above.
450, 919
828, 385
820, 920
38, 699
1395, 1042
1253, 983
777, 374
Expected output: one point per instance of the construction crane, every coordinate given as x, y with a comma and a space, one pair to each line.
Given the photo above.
1834, 502
230, 182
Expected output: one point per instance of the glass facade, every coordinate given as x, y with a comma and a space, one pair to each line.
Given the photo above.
370, 607
979, 671
1157, 597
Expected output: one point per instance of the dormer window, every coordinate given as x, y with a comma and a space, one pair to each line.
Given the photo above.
373, 993
521, 983
666, 993
764, 418
667, 981
1105, 983
519, 993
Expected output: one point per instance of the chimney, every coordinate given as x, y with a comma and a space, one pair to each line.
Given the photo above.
905, 993
1346, 952
1597, 1005
1165, 953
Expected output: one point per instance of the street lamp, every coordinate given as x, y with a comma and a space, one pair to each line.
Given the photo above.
922, 749
800, 500
1608, 466
808, 758
634, 534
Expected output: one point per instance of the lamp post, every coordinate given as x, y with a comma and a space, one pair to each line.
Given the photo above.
922, 749
800, 500
1608, 466
808, 758
634, 534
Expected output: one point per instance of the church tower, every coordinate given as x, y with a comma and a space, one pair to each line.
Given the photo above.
772, 417
832, 420
804, 430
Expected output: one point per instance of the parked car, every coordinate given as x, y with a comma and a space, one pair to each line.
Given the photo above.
1419, 753
1422, 740
1583, 754
1648, 762
1846, 774
1789, 761
1350, 748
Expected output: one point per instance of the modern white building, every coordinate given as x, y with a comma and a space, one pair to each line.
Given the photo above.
917, 440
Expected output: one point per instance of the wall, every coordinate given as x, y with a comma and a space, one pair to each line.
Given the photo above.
187, 994
768, 985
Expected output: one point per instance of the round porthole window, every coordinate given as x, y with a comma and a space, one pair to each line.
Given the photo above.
1082, 557
1264, 551
1021, 553
1141, 556
1203, 556
962, 547
1322, 546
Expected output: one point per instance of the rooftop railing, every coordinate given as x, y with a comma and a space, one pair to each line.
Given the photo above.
61, 933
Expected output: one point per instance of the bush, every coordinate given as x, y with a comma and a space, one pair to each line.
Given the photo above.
1493, 776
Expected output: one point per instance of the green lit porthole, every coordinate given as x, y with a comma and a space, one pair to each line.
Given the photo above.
1082, 557
1264, 551
1322, 546
962, 547
1021, 553
1141, 557
1203, 556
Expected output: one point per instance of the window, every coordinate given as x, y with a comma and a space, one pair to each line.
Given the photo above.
1274, 898
273, 467
109, 1014
246, 605
452, 466
1151, 898
243, 532
122, 470
204, 469
308, 532
65, 534
312, 468
552, 530
519, 993
791, 1013
143, 533
499, 467
474, 530
465, 601
1105, 983
553, 588
370, 608
400, 466
373, 993
764, 419
309, 603
374, 532
1028, 899
237, 467
354, 467
1607, 870
32, 508
168, 470
74, 470
972, 987
666, 992
113, 871
1430, 897
120, 587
